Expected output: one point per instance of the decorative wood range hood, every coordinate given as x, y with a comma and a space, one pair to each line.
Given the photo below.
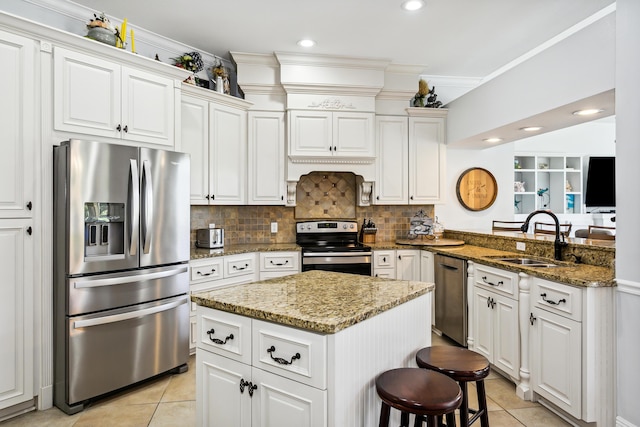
331, 103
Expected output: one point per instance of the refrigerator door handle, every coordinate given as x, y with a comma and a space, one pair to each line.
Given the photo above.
147, 217
134, 206
80, 284
129, 315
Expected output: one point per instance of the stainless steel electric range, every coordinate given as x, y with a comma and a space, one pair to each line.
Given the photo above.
333, 246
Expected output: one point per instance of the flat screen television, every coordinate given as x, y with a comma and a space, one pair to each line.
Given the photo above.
601, 183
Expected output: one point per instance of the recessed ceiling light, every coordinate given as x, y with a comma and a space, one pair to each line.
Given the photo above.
412, 5
306, 43
587, 112
531, 128
493, 139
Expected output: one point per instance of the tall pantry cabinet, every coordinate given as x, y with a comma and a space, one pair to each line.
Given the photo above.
18, 173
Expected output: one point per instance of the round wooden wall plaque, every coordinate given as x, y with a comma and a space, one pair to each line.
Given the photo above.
476, 189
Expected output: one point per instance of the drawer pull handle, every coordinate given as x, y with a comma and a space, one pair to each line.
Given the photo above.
544, 298
216, 340
235, 267
251, 386
484, 279
279, 264
280, 360
532, 319
213, 270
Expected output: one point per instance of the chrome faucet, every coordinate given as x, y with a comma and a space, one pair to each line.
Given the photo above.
557, 244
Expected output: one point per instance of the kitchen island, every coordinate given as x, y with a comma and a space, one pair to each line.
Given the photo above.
305, 349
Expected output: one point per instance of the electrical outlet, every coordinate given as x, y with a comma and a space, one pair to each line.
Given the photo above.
212, 226
274, 227
521, 246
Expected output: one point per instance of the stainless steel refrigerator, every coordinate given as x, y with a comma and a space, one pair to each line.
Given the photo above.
121, 249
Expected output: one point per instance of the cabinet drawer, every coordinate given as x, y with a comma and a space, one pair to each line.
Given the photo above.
279, 261
291, 353
500, 281
224, 333
209, 269
384, 259
237, 265
557, 298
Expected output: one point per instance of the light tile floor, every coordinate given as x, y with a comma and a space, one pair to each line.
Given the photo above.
169, 401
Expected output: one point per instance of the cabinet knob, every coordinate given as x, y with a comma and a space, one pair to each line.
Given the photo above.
384, 259
29, 231
206, 197
119, 128
29, 205
411, 197
532, 319
126, 129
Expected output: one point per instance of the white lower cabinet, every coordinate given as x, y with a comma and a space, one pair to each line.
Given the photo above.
408, 264
556, 344
495, 312
384, 264
260, 375
278, 264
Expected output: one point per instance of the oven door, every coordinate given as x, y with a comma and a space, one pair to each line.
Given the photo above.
340, 262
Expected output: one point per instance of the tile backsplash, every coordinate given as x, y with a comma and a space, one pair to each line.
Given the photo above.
252, 224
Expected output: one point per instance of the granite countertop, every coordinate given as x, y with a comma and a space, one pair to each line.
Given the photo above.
318, 301
581, 275
199, 253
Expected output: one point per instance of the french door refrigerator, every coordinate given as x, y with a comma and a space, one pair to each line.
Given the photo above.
121, 250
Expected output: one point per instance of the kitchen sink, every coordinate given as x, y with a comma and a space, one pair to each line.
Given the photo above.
527, 262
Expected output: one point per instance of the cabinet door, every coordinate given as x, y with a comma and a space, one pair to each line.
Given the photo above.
17, 106
556, 363
353, 134
148, 109
266, 158
280, 402
408, 264
426, 160
427, 274
506, 345
392, 157
227, 154
195, 141
220, 401
483, 322
310, 133
86, 94
16, 312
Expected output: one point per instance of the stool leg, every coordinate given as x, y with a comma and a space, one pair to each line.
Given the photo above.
385, 410
482, 404
464, 406
432, 420
404, 419
451, 419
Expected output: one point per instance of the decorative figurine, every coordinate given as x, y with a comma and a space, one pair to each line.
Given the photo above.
423, 90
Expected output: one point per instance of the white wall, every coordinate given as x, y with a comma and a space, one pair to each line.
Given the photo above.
628, 206
497, 160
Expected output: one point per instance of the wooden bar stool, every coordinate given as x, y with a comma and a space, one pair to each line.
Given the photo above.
463, 366
427, 394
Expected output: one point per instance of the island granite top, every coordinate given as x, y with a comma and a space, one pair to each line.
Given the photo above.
318, 301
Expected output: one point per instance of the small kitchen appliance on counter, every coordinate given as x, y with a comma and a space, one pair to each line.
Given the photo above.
210, 238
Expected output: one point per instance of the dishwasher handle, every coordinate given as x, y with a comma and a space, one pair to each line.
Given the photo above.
448, 267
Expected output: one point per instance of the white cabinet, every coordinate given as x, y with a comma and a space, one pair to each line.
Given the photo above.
495, 319
411, 156
243, 378
556, 344
408, 264
278, 264
17, 199
427, 274
266, 158
558, 179
214, 132
384, 264
217, 272
329, 134
99, 97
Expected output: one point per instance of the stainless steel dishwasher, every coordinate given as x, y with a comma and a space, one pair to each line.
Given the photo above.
451, 297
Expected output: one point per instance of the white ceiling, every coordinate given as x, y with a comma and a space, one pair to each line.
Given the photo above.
463, 38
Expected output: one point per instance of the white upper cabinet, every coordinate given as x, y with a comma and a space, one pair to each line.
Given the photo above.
331, 134
99, 97
214, 133
410, 157
266, 158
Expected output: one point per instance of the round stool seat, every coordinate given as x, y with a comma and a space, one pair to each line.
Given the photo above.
419, 391
455, 362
